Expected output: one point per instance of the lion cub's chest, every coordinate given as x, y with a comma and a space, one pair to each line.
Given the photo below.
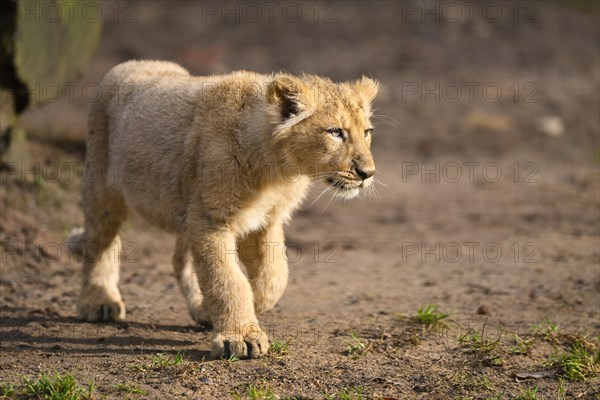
276, 202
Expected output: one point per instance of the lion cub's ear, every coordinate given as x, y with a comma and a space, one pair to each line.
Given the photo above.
289, 100
367, 89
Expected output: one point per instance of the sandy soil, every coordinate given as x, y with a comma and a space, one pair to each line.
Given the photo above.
487, 202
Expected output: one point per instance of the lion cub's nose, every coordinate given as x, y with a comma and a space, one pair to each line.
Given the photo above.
364, 173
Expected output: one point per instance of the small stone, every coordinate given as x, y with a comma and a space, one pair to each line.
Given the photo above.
551, 125
206, 380
482, 121
483, 310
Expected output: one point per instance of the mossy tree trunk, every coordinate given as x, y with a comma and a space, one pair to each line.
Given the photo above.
45, 45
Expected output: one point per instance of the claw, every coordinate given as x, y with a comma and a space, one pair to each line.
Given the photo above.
226, 350
250, 349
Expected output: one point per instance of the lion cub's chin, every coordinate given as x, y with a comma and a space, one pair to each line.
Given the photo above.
347, 194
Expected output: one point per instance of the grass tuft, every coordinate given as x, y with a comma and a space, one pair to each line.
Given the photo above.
578, 364
356, 347
279, 348
161, 361
231, 359
478, 340
522, 346
7, 390
176, 364
256, 392
429, 315
546, 329
129, 388
529, 394
49, 387
351, 393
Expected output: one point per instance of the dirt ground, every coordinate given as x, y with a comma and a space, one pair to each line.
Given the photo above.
487, 141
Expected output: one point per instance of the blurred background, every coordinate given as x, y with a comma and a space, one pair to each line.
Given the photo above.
496, 66
487, 141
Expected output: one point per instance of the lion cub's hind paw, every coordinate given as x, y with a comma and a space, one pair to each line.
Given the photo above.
201, 316
102, 312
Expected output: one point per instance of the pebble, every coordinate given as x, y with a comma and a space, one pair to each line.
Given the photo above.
206, 380
483, 121
551, 125
483, 310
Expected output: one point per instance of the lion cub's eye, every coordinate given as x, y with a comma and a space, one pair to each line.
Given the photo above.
336, 132
368, 132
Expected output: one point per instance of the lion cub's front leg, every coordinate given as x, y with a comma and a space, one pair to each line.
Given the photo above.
228, 296
263, 254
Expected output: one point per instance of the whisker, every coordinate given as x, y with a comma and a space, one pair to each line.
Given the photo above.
369, 193
377, 194
329, 202
389, 120
379, 182
327, 189
335, 195
321, 175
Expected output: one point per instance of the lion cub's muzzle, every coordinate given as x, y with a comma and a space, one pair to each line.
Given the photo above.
348, 184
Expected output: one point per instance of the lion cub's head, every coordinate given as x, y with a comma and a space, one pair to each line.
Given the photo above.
325, 128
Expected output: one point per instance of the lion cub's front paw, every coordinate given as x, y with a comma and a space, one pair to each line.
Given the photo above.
101, 304
250, 342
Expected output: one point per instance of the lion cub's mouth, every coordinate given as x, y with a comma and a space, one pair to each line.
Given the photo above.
344, 188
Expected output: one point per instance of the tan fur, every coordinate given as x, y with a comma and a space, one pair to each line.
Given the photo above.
221, 162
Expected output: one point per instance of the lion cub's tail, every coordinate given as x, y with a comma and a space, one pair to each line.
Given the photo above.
75, 242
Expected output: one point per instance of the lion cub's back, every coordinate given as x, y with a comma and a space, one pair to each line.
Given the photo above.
152, 67
149, 111
135, 84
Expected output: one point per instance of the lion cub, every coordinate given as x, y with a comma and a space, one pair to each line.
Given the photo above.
221, 162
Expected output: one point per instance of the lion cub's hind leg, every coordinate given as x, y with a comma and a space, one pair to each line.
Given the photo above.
100, 299
188, 282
